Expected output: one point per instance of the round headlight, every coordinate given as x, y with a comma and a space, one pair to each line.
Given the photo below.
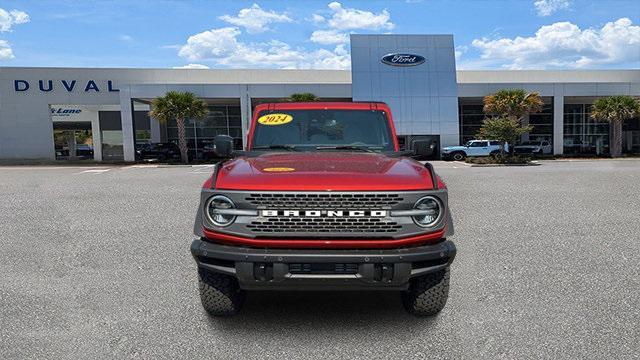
215, 210
432, 208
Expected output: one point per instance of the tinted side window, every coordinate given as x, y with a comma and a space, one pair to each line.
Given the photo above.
494, 143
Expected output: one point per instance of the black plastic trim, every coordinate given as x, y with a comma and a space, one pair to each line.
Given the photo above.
214, 175
432, 172
388, 269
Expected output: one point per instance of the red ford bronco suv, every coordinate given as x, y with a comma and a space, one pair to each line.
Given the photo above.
322, 199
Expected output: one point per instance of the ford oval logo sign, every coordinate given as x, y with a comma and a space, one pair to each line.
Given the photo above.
403, 59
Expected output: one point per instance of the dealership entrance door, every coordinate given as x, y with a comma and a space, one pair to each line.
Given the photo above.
73, 140
76, 132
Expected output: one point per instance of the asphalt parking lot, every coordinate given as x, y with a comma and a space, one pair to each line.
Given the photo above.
95, 263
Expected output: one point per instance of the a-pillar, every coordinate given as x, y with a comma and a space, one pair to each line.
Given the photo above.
245, 113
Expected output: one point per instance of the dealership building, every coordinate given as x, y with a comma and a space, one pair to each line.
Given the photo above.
104, 112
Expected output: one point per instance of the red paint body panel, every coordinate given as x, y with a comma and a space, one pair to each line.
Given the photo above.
207, 183
324, 244
324, 171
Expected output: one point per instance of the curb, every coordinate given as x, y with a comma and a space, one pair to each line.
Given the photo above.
504, 165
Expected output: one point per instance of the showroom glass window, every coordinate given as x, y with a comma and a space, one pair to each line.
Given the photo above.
471, 117
583, 135
631, 136
542, 123
221, 120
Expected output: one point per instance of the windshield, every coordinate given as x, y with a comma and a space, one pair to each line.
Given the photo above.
317, 129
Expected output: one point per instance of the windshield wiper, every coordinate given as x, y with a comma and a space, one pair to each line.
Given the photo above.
275, 147
345, 147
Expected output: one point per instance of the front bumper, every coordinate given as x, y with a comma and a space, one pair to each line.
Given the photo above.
302, 269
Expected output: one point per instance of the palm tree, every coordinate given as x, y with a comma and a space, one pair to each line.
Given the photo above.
302, 97
510, 106
616, 110
503, 129
179, 106
513, 103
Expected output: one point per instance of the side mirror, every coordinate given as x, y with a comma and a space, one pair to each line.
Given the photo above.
223, 146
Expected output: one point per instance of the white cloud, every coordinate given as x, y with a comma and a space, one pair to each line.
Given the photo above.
317, 18
7, 20
5, 51
344, 19
192, 66
460, 50
254, 19
10, 18
125, 38
20, 17
222, 47
329, 37
351, 19
565, 45
215, 43
548, 7
338, 59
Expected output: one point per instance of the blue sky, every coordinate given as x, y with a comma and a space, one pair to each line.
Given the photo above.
526, 34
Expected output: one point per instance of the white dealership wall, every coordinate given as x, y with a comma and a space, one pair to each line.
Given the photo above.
423, 98
26, 129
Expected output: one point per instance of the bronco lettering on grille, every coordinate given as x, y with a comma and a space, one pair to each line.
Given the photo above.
324, 213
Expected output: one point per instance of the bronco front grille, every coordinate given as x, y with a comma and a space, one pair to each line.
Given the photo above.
323, 225
351, 201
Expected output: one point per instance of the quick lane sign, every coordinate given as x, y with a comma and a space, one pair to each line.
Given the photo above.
59, 111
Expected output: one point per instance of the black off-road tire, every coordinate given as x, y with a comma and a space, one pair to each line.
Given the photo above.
458, 156
427, 294
220, 294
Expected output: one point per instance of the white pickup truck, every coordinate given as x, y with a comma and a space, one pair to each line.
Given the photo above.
539, 147
472, 148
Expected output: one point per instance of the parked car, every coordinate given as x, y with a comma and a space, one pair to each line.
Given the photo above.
472, 148
158, 152
209, 152
84, 151
534, 147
